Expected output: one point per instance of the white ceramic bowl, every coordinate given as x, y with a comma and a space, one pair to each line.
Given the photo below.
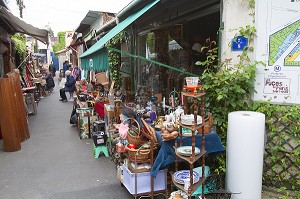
192, 81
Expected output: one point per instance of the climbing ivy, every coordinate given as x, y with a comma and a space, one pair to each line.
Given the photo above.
114, 59
282, 164
61, 42
19, 48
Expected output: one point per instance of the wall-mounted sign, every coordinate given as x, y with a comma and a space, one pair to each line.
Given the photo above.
278, 46
91, 63
239, 43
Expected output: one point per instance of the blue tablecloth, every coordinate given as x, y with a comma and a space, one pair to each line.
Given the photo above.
166, 154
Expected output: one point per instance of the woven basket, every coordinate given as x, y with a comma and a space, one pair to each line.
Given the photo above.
150, 131
133, 139
138, 154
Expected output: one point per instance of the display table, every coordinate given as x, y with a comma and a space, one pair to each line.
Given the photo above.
166, 154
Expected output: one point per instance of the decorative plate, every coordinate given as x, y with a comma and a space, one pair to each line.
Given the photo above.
179, 176
189, 119
187, 150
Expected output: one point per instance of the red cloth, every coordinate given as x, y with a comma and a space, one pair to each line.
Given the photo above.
99, 107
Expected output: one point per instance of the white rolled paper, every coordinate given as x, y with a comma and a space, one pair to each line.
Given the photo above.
244, 156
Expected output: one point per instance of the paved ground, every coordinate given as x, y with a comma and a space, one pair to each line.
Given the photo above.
55, 164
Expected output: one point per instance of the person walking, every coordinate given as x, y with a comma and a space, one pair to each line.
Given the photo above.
69, 86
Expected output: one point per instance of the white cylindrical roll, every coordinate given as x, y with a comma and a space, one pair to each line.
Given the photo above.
245, 151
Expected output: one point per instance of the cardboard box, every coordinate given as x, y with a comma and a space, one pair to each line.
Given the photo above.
142, 181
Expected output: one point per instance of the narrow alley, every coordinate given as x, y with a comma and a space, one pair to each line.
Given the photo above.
54, 163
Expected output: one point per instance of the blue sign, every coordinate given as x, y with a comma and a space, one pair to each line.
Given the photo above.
239, 43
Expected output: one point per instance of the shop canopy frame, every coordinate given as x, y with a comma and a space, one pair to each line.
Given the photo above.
96, 57
17, 25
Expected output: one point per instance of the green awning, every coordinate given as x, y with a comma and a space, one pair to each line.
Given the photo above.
154, 62
97, 61
85, 57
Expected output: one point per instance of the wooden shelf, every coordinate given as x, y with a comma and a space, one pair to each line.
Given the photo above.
190, 158
189, 94
194, 187
192, 127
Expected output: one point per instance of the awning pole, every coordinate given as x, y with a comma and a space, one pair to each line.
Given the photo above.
23, 61
152, 61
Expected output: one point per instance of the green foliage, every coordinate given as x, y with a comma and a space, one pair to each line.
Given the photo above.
248, 31
115, 59
227, 89
150, 41
61, 43
211, 55
50, 31
282, 127
20, 47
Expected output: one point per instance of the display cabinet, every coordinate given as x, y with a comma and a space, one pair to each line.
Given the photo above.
191, 155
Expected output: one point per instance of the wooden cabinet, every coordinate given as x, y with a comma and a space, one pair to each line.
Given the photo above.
13, 118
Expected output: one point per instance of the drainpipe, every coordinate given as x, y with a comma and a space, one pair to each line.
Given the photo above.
128, 8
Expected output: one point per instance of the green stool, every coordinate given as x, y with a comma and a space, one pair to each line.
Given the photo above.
99, 149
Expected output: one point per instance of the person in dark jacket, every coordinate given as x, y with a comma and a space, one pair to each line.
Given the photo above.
66, 67
49, 82
52, 69
69, 86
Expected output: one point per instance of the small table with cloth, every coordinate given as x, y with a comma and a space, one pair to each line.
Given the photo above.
166, 154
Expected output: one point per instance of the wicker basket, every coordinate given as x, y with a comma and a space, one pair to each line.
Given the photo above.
150, 131
133, 139
138, 154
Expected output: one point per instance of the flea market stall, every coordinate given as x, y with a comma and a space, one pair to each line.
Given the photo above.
158, 130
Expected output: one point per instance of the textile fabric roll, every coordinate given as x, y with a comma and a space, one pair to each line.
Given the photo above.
245, 151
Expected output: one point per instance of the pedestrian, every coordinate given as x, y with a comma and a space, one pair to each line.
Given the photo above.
69, 86
52, 69
66, 67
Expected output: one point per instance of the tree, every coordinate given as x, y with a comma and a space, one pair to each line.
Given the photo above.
61, 43
50, 31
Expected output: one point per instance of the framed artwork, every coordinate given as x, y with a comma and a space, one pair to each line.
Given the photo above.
84, 130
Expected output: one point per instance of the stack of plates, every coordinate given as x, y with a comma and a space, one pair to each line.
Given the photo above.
187, 150
179, 176
189, 119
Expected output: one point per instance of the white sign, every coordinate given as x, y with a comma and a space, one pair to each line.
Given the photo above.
278, 46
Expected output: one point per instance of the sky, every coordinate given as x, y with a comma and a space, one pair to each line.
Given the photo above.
63, 15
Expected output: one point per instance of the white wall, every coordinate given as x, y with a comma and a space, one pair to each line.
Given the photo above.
235, 15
